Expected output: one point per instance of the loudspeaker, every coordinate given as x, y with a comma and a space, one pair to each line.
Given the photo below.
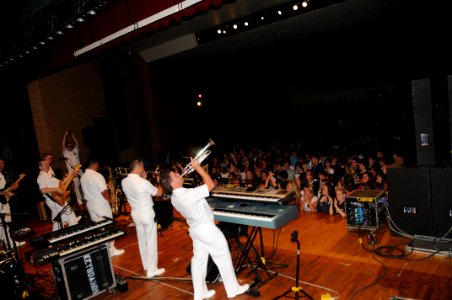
85, 274
441, 200
409, 194
164, 213
212, 270
423, 122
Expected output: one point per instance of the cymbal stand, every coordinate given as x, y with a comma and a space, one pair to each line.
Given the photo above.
296, 289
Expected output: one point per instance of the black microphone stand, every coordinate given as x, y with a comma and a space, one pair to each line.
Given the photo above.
7, 233
58, 216
297, 289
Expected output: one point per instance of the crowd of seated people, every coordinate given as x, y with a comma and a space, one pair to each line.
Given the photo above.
320, 180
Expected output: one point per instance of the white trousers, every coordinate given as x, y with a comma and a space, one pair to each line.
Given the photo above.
5, 209
208, 239
147, 238
78, 189
67, 217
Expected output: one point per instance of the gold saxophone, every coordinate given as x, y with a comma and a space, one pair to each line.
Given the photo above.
113, 192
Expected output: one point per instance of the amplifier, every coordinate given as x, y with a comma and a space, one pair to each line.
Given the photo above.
85, 274
364, 209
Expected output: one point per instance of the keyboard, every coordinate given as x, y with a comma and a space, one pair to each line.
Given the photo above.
258, 214
259, 195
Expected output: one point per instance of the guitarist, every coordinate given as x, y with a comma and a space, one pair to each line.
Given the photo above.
5, 189
49, 184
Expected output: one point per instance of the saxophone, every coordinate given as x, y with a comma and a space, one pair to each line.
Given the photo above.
113, 192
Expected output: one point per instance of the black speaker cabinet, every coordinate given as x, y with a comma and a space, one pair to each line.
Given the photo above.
212, 271
409, 193
164, 213
85, 274
441, 181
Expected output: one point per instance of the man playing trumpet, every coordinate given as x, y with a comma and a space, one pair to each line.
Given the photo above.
206, 236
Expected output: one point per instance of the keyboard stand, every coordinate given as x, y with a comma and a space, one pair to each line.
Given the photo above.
245, 257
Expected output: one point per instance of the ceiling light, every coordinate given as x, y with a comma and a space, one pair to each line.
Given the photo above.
42, 43
59, 32
91, 12
69, 26
50, 38
80, 20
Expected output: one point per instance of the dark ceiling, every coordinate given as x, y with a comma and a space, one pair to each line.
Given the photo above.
413, 34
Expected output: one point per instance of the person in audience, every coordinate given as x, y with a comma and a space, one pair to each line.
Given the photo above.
308, 200
325, 199
207, 238
139, 192
337, 206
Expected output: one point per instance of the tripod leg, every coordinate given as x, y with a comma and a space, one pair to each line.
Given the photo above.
283, 294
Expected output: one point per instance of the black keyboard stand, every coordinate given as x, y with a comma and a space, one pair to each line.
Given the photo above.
260, 261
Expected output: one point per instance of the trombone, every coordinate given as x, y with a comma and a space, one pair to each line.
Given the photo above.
202, 155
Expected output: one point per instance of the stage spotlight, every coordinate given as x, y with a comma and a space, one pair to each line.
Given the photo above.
42, 43
91, 12
295, 6
304, 3
69, 26
219, 31
80, 20
59, 32
50, 38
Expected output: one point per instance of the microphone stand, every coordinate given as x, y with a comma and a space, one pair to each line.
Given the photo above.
7, 233
297, 289
58, 216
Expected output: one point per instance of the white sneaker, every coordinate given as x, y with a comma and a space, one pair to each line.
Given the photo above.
242, 289
157, 272
18, 244
116, 252
209, 294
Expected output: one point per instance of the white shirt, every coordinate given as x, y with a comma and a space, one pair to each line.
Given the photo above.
192, 205
93, 184
72, 159
2, 181
139, 192
45, 180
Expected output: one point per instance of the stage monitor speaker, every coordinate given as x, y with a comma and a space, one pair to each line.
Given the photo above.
212, 271
85, 274
409, 198
164, 213
441, 201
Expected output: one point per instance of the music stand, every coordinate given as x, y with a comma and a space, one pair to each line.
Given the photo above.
296, 289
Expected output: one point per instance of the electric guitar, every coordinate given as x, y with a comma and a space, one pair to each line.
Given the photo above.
8, 193
64, 185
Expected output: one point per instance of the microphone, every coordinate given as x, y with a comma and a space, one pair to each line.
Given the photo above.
294, 236
63, 158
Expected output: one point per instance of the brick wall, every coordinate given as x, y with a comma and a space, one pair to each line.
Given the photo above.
70, 99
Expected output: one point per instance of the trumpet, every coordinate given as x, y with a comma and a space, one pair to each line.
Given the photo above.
202, 155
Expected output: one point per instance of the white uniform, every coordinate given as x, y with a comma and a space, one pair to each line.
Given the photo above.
72, 160
93, 184
5, 209
139, 192
207, 239
45, 180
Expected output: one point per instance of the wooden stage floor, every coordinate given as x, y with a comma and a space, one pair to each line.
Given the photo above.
332, 261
